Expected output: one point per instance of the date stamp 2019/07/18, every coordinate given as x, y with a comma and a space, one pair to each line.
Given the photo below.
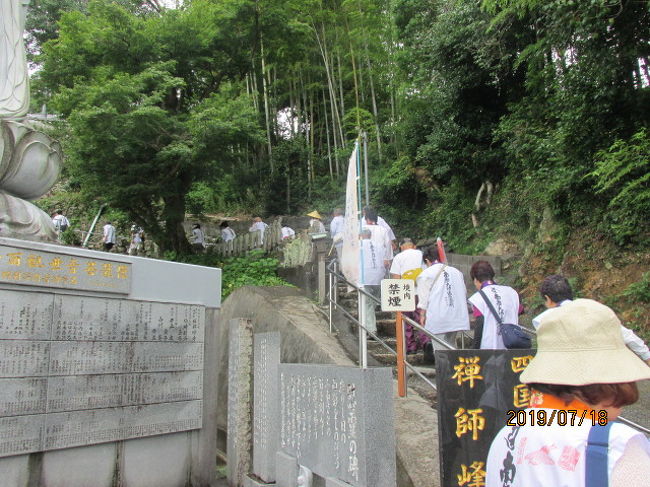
561, 417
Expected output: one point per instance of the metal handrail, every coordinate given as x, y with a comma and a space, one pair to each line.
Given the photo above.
333, 303
334, 276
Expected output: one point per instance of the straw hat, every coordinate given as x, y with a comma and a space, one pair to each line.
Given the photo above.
314, 214
581, 343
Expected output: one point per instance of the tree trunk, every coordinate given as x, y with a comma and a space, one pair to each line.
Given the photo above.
354, 72
288, 175
174, 216
310, 129
342, 97
266, 107
375, 112
332, 93
302, 95
327, 135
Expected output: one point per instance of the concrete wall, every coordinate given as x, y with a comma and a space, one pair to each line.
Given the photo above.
464, 263
306, 339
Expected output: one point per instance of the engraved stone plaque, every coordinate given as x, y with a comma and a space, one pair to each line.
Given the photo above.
78, 370
21, 434
64, 430
240, 358
74, 358
22, 396
338, 422
39, 268
22, 358
107, 319
25, 315
113, 390
266, 428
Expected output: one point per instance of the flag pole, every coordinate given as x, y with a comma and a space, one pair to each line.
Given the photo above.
363, 336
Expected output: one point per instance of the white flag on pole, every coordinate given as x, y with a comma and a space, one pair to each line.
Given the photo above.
350, 250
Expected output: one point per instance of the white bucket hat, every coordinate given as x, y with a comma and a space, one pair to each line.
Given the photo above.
581, 343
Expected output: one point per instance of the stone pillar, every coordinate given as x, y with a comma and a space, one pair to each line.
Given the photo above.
240, 358
266, 399
320, 253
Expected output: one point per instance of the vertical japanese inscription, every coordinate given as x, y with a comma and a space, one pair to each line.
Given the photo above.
337, 421
266, 359
321, 414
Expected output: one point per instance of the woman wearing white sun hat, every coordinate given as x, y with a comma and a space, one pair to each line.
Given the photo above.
581, 377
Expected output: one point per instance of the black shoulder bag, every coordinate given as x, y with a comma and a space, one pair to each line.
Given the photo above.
513, 335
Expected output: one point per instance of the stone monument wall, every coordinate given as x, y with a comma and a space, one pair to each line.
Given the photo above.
335, 422
305, 339
107, 373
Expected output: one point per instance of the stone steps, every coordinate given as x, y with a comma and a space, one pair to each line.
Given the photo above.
386, 331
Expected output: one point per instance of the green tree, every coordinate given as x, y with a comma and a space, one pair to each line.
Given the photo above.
142, 98
586, 86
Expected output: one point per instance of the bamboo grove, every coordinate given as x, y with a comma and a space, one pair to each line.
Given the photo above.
478, 115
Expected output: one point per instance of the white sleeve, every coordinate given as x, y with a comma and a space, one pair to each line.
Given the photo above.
389, 248
423, 290
395, 268
635, 344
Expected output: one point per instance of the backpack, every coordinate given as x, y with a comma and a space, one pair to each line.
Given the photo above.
62, 224
513, 336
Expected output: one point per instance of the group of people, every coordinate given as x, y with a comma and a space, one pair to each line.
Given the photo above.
442, 302
258, 225
587, 362
198, 236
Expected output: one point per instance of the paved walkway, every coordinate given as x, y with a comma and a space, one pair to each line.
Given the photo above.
640, 412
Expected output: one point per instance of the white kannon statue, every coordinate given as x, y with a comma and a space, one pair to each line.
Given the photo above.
14, 79
30, 161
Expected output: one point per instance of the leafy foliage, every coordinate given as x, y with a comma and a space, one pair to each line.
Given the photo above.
146, 126
175, 110
639, 291
70, 237
253, 269
623, 173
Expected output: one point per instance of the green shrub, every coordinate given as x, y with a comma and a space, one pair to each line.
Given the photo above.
70, 237
623, 174
253, 269
639, 291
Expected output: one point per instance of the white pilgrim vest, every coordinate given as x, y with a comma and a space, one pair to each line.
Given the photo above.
506, 302
373, 263
336, 228
543, 456
380, 239
445, 300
